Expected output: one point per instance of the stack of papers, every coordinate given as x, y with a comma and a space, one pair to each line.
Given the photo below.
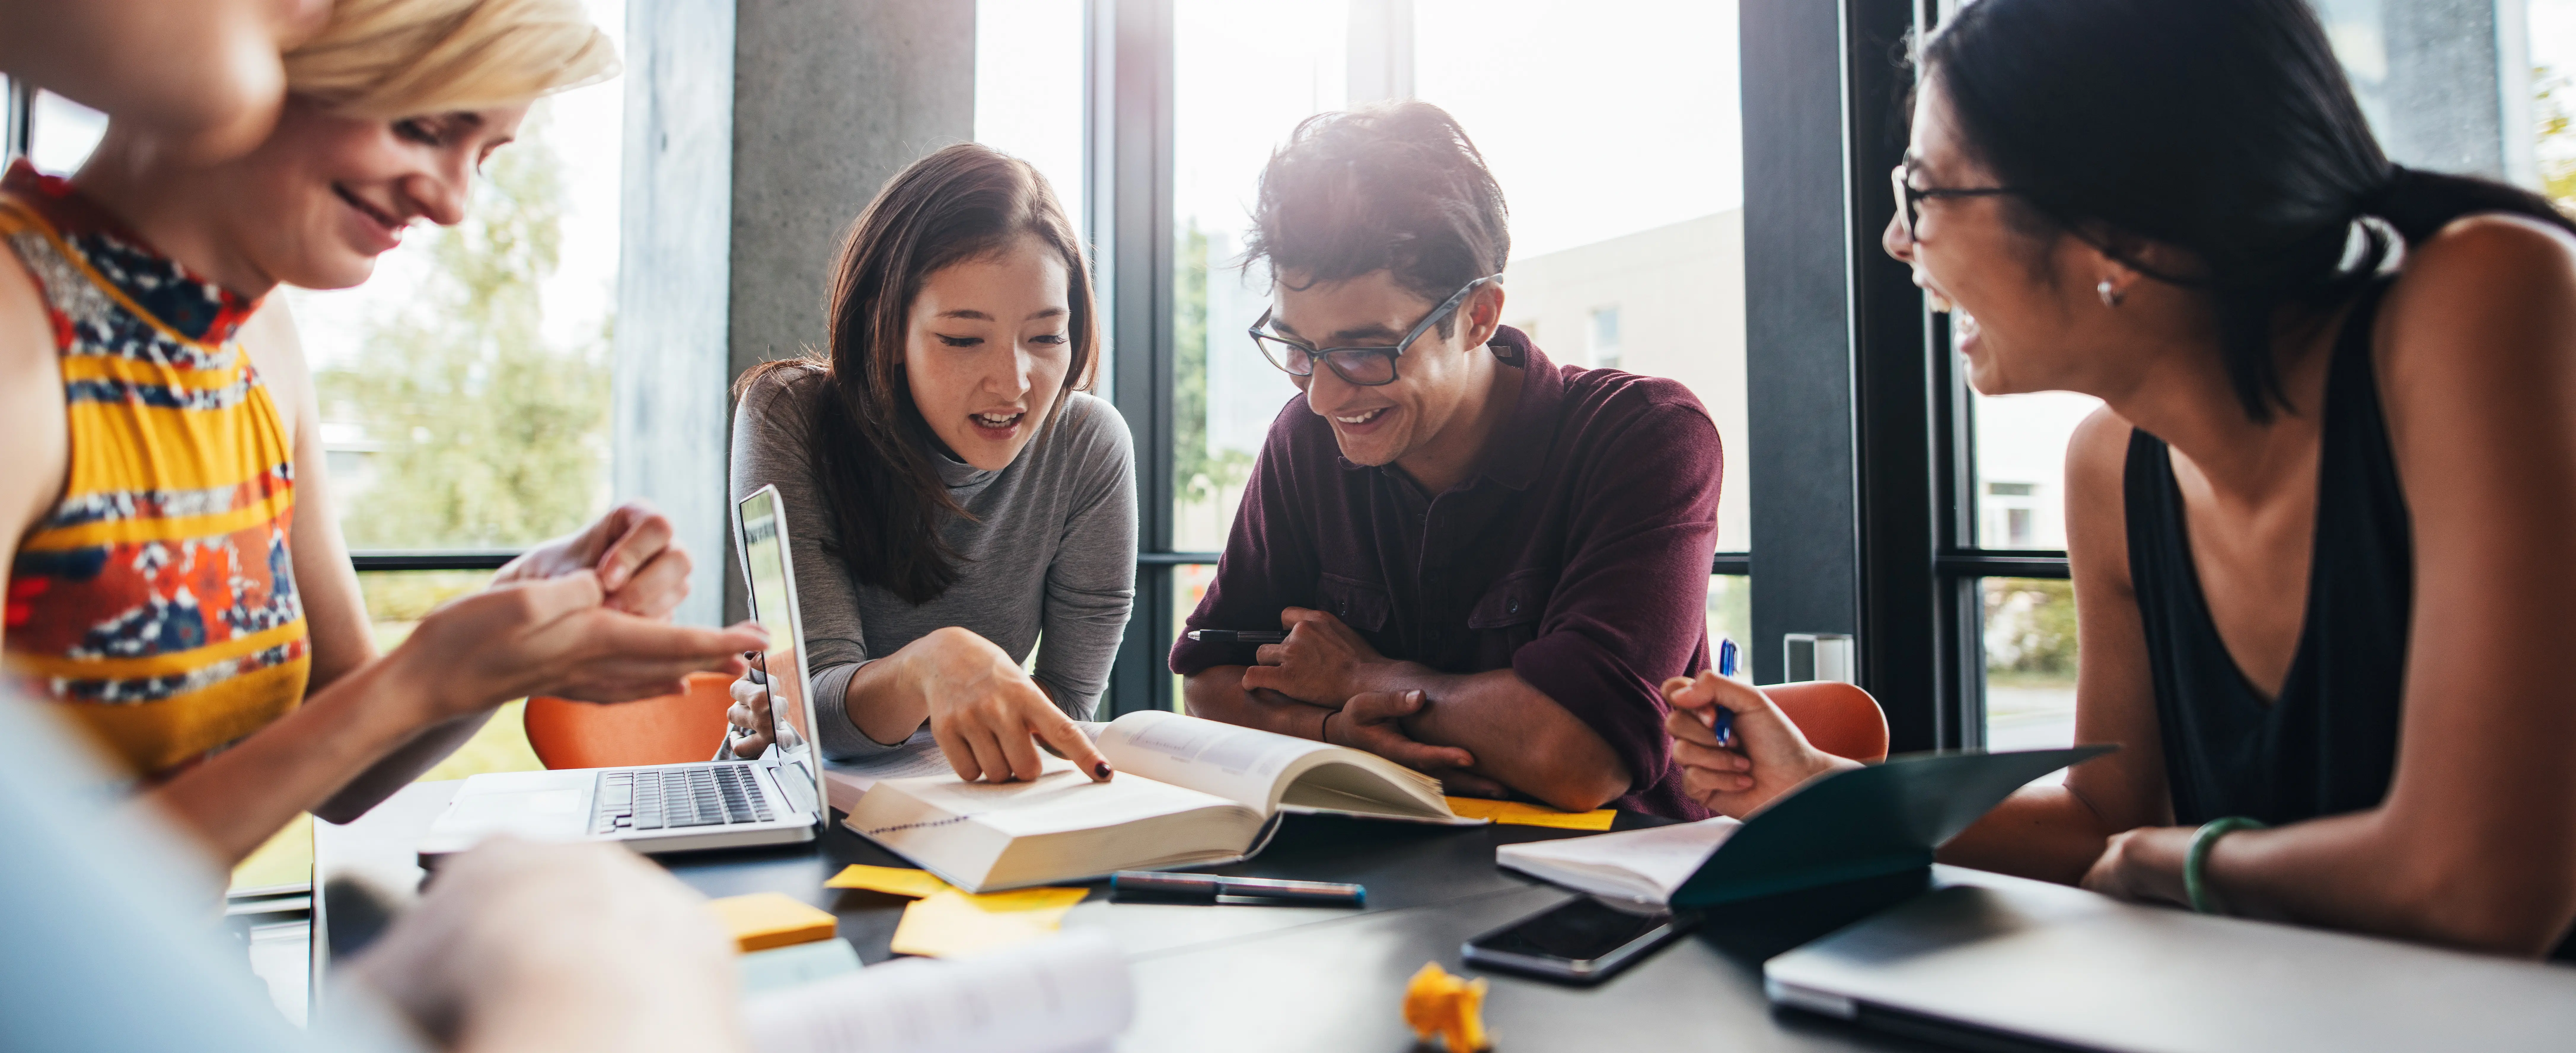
1645, 866
943, 921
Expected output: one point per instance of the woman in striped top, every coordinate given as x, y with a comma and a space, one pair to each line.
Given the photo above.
178, 583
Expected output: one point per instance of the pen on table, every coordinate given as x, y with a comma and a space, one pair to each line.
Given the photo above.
1241, 636
1209, 887
1721, 719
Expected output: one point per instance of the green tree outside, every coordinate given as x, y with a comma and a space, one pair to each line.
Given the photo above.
1199, 475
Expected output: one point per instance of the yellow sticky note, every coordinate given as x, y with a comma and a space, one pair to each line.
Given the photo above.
897, 881
952, 923
1515, 813
768, 919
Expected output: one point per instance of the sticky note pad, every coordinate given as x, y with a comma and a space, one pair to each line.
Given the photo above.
1515, 813
897, 881
769, 919
952, 923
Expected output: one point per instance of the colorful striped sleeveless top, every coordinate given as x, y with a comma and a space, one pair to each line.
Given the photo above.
156, 601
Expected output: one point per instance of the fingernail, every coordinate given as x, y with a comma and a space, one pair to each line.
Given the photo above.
1101, 771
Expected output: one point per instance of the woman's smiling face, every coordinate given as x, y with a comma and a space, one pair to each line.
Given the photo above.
2023, 310
327, 194
987, 349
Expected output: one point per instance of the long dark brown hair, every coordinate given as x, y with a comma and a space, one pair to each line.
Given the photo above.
866, 436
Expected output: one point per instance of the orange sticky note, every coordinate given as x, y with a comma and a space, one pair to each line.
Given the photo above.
895, 881
768, 919
1515, 813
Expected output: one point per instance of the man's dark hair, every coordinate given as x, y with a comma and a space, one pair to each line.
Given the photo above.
1394, 187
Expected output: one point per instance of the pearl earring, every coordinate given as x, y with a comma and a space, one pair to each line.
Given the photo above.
2111, 297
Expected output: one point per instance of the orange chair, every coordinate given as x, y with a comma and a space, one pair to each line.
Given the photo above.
1838, 718
668, 729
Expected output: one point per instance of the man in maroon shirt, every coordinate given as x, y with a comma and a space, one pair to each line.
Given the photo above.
1487, 563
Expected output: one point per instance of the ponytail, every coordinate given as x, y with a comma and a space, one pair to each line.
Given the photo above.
2419, 203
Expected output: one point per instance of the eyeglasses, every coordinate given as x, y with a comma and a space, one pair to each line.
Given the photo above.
1909, 201
1367, 367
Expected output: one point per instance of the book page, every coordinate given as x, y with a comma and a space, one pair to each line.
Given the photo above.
1237, 763
1060, 799
1055, 996
847, 781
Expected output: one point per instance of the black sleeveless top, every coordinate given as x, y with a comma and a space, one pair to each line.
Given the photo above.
2328, 744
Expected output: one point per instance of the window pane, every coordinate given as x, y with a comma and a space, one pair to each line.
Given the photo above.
1029, 89
1243, 75
2030, 663
2551, 32
2021, 466
465, 387
1650, 278
1730, 615
63, 133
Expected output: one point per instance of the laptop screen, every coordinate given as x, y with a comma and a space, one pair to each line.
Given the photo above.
785, 734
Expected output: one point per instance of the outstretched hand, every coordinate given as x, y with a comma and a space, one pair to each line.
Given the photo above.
1763, 757
556, 636
641, 569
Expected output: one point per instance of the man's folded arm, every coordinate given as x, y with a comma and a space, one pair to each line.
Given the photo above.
1521, 738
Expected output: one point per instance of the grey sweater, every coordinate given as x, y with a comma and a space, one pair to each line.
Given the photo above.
1052, 552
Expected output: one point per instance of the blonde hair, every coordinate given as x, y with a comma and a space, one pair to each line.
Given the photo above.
400, 58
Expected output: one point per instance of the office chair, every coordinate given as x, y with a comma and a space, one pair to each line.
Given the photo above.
667, 729
1838, 718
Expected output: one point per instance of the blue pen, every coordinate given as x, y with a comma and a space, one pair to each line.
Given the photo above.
1722, 719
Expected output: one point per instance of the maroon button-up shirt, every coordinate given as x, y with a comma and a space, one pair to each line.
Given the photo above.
1577, 553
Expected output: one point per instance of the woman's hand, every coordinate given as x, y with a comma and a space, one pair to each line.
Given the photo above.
1319, 664
642, 570
1764, 756
556, 636
2144, 865
984, 709
749, 716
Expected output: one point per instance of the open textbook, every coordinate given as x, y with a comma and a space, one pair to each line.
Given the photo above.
1188, 792
1857, 823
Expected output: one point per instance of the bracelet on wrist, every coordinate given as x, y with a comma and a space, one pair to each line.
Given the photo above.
2195, 885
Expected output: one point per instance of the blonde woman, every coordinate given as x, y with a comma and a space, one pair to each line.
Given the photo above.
178, 583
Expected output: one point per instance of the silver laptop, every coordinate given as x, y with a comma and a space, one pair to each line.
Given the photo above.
1994, 962
773, 798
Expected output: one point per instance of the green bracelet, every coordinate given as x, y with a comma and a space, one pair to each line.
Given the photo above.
2202, 840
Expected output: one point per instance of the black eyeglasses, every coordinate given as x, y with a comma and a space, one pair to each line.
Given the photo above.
1909, 201
1367, 367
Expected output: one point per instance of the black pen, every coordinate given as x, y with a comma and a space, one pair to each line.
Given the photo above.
1246, 636
1210, 888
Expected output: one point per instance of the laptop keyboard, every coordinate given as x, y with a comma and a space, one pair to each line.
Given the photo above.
669, 798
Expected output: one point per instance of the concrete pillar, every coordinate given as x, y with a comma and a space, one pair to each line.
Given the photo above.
760, 129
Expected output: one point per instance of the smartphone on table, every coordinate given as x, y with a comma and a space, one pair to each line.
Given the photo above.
1583, 940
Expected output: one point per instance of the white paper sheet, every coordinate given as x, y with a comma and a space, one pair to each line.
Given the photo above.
1058, 996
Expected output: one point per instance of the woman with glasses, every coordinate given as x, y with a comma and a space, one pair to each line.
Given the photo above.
2319, 533
953, 494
